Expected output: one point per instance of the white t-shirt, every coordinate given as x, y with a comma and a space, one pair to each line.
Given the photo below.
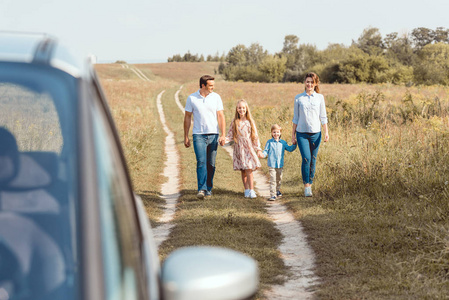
204, 111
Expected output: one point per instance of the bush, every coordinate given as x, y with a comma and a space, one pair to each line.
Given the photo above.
433, 65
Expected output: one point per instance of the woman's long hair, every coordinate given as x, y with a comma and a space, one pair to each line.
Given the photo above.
248, 117
315, 79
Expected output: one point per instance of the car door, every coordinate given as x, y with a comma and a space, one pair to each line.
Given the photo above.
124, 274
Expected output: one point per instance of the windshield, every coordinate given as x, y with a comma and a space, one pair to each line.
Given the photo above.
38, 212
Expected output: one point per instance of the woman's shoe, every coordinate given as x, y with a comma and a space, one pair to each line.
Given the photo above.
308, 191
252, 194
247, 193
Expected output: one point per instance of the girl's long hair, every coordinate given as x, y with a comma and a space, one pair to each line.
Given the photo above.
315, 79
248, 117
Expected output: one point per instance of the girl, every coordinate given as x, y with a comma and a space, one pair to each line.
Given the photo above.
275, 149
308, 115
247, 146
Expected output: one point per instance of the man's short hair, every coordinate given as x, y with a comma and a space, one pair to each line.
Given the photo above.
204, 79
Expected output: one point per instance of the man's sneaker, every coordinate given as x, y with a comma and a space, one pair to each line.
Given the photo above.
246, 193
278, 194
201, 194
272, 198
252, 194
208, 194
308, 191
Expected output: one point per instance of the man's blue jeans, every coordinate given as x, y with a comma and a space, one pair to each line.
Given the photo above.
308, 144
205, 146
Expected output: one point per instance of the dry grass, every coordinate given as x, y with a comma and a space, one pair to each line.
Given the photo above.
133, 105
181, 72
378, 218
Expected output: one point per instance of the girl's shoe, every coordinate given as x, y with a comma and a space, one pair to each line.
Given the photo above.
247, 193
252, 194
308, 191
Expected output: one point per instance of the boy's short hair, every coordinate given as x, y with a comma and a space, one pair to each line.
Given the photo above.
276, 126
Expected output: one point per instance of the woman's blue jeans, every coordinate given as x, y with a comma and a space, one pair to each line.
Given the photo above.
205, 146
308, 144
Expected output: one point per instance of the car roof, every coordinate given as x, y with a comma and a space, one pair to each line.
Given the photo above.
43, 49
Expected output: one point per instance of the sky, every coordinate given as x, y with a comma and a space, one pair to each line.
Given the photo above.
153, 30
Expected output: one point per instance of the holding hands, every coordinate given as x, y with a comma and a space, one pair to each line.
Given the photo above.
222, 140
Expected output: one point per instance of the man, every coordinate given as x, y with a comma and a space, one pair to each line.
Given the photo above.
208, 120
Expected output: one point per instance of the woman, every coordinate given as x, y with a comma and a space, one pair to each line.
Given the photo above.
309, 115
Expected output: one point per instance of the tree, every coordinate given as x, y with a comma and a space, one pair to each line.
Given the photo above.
362, 67
441, 35
399, 48
273, 68
290, 44
421, 37
237, 55
255, 54
433, 64
370, 41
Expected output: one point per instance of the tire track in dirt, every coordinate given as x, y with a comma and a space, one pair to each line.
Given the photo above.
170, 189
295, 252
136, 71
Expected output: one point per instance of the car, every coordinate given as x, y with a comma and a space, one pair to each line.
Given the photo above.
71, 226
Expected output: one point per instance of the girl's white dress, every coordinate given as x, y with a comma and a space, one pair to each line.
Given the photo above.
245, 150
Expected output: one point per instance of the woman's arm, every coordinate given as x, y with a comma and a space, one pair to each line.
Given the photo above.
323, 119
326, 133
294, 133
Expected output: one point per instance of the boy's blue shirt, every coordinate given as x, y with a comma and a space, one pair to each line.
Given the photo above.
275, 152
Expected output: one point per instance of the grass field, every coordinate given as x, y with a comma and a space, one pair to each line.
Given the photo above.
378, 221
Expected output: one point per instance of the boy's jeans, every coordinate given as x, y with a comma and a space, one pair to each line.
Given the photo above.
205, 146
275, 180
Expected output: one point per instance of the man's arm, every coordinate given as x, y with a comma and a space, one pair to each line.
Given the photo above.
187, 122
222, 126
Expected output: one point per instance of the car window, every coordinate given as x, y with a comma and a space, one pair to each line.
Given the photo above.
38, 211
120, 234
31, 116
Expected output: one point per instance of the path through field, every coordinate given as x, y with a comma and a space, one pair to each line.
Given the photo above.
296, 253
170, 189
137, 72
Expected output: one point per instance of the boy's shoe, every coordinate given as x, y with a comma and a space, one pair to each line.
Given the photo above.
278, 194
308, 191
201, 194
272, 198
208, 194
246, 193
252, 194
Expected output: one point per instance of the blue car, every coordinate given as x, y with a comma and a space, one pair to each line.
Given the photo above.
71, 226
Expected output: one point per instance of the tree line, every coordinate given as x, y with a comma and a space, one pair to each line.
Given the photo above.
188, 57
418, 57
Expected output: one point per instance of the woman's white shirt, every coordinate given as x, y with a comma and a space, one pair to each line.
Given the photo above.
309, 112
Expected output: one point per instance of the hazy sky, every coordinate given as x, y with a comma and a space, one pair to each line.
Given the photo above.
153, 30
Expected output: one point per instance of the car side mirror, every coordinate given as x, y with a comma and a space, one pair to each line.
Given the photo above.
201, 273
